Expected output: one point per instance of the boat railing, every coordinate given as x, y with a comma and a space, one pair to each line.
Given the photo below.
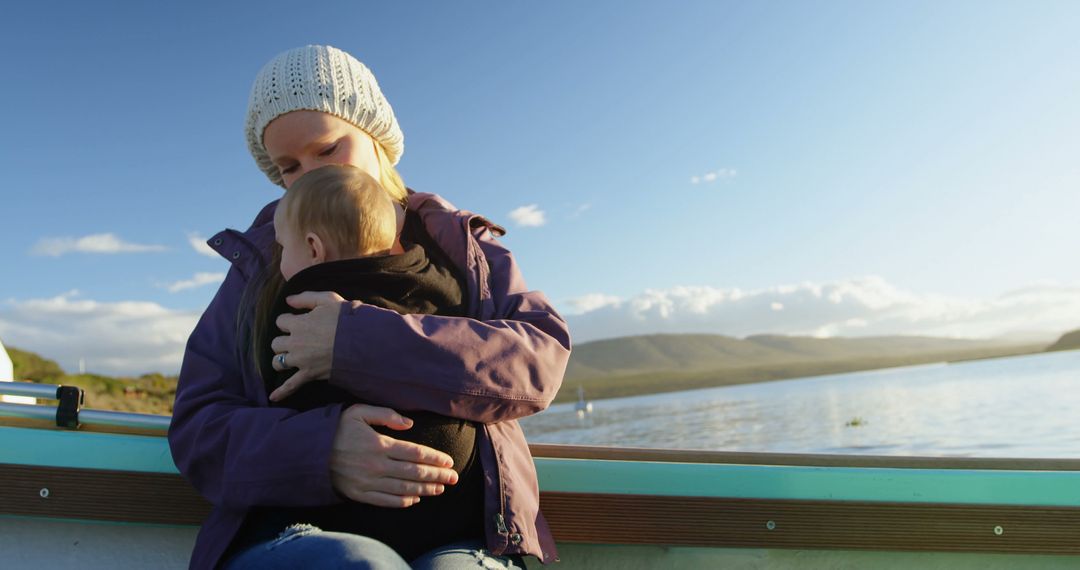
67, 411
789, 459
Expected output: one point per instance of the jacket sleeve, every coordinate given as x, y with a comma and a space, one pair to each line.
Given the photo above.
236, 452
480, 370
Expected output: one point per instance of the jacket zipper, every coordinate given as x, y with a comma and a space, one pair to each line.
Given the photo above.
500, 524
500, 520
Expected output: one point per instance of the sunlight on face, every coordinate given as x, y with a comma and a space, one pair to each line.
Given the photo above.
301, 141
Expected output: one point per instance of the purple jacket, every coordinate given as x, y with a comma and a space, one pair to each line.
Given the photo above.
505, 363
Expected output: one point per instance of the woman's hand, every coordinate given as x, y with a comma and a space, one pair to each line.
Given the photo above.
368, 467
309, 344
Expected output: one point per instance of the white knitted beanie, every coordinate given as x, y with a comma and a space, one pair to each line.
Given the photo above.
319, 78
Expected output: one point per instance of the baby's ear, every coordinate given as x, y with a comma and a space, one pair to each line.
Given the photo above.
316, 247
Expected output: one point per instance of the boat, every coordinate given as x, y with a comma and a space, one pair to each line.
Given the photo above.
583, 406
7, 374
96, 489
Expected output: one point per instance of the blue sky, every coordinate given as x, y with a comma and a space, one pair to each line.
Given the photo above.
732, 167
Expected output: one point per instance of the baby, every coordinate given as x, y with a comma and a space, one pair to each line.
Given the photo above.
335, 230
336, 227
333, 213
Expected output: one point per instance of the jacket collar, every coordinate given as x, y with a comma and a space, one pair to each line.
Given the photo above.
244, 248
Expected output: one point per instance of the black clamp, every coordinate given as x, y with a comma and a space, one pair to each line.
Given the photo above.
71, 402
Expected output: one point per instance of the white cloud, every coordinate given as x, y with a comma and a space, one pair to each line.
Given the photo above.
97, 243
530, 216
133, 337
127, 337
853, 307
198, 280
591, 302
198, 243
709, 177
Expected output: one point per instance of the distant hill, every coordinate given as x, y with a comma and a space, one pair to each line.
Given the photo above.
696, 352
30, 366
622, 366
664, 363
149, 393
1068, 341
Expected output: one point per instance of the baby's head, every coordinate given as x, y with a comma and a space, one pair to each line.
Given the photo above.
331, 213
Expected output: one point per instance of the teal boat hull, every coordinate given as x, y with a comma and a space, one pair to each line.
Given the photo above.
103, 500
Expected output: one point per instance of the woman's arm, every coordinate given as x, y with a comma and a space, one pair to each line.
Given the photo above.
506, 367
239, 454
230, 449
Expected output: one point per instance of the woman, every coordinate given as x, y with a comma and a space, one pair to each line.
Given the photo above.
309, 107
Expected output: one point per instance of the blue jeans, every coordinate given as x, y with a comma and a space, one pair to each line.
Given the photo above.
307, 546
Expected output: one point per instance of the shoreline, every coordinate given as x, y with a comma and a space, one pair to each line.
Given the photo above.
153, 393
621, 386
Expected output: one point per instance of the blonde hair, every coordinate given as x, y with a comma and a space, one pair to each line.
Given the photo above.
389, 177
346, 207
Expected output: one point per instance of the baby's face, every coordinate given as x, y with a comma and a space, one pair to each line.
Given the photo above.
296, 253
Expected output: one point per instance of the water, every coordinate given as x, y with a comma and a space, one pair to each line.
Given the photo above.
1014, 407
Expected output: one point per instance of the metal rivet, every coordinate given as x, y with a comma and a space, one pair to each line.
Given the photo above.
515, 538
999, 531
44, 492
217, 241
236, 255
770, 525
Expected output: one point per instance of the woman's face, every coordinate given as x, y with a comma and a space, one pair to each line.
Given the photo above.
301, 141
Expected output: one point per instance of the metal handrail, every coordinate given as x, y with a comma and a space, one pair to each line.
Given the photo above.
88, 417
47, 391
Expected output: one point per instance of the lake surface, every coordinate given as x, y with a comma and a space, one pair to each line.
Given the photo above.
1027, 406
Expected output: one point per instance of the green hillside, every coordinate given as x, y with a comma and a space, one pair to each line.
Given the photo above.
700, 352
663, 352
1068, 341
148, 394
30, 366
622, 366
665, 363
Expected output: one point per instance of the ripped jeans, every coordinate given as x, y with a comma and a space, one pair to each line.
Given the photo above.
307, 546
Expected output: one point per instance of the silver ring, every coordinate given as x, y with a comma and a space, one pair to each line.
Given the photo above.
281, 359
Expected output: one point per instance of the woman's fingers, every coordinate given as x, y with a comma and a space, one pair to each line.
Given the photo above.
373, 468
309, 337
284, 321
377, 416
414, 489
396, 492
410, 452
283, 361
312, 299
411, 460
280, 344
423, 473
289, 386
